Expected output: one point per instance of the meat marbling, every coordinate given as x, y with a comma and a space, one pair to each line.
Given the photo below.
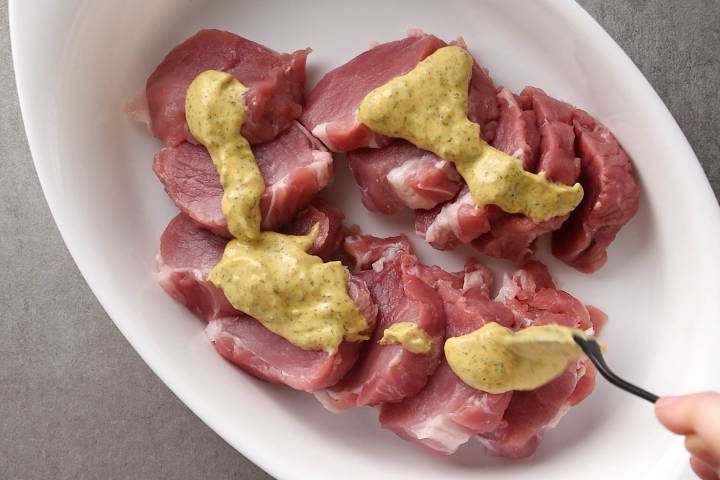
401, 175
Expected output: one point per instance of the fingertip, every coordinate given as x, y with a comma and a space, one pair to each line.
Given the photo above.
702, 469
679, 413
669, 412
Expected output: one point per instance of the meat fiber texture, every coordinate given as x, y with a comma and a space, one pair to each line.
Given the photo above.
331, 106
527, 130
294, 167
276, 82
447, 412
567, 145
395, 278
188, 253
534, 299
547, 135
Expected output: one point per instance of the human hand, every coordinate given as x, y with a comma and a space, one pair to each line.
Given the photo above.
697, 417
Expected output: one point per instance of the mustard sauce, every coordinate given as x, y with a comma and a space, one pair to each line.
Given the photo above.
412, 338
215, 111
496, 359
428, 107
267, 275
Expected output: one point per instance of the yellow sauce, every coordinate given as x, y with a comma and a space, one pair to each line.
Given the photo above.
428, 107
267, 275
412, 338
215, 111
495, 359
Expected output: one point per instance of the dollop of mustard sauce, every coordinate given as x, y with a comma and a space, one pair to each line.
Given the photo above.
267, 275
412, 338
496, 359
428, 107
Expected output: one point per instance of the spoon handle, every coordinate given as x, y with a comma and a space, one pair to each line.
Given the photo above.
592, 350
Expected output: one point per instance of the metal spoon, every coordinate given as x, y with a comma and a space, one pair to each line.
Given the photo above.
594, 353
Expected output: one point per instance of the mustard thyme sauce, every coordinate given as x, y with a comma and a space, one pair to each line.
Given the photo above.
215, 111
412, 338
495, 359
267, 275
428, 107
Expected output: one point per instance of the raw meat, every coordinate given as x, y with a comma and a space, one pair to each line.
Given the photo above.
331, 106
389, 373
517, 131
554, 119
401, 175
538, 139
448, 412
532, 296
294, 167
458, 221
328, 218
611, 198
187, 253
248, 344
275, 80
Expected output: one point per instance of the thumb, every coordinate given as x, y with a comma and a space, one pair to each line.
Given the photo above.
698, 414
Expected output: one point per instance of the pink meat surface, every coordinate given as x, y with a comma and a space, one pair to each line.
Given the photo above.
294, 167
533, 298
187, 253
517, 131
331, 107
401, 175
554, 119
249, 345
455, 222
389, 373
448, 412
611, 198
329, 220
275, 81
530, 128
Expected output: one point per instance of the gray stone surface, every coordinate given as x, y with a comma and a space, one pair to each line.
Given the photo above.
77, 402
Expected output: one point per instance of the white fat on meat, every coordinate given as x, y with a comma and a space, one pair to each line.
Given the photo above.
441, 433
447, 221
397, 178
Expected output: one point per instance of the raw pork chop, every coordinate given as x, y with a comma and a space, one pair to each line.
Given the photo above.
611, 198
331, 106
275, 80
329, 220
532, 296
187, 253
448, 412
389, 373
401, 175
294, 167
533, 135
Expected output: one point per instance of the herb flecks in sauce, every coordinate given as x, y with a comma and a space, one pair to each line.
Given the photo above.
495, 359
267, 275
412, 338
428, 107
215, 111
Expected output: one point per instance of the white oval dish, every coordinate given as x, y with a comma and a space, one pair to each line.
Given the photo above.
78, 62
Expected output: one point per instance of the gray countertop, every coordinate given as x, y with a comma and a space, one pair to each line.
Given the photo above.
75, 399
